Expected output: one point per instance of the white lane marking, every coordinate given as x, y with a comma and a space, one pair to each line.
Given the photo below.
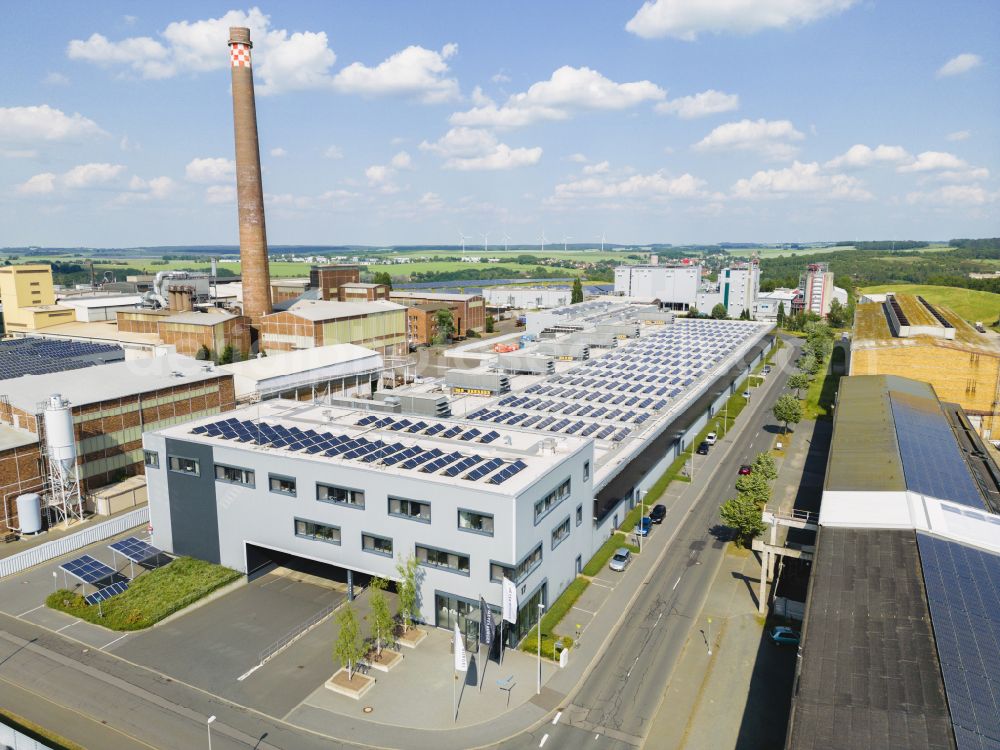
114, 641
544, 740
555, 719
31, 610
598, 583
581, 609
247, 673
67, 626
675, 583
596, 736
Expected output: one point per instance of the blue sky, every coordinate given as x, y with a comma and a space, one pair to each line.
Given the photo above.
398, 122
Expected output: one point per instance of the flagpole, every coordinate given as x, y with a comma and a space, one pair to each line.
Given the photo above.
454, 694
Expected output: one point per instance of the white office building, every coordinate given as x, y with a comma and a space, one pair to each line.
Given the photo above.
675, 286
769, 303
737, 290
527, 297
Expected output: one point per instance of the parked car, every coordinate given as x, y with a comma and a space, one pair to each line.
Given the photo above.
620, 560
745, 469
767, 369
644, 526
746, 394
785, 636
657, 514
711, 438
703, 447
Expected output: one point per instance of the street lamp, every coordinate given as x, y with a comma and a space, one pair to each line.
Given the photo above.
208, 724
55, 582
541, 608
709, 636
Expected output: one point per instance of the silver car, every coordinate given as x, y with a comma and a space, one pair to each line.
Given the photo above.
620, 560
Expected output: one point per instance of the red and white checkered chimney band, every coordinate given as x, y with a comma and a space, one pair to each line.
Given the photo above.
240, 55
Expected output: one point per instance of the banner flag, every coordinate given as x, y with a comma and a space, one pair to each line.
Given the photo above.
509, 601
486, 624
461, 660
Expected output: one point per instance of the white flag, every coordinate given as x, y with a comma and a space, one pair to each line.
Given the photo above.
461, 660
509, 601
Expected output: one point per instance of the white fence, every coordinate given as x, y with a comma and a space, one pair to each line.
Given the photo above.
58, 547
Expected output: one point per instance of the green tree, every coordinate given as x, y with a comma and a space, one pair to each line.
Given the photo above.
406, 590
489, 325
349, 648
788, 410
755, 486
227, 355
781, 314
693, 312
765, 466
742, 514
203, 353
798, 381
445, 325
837, 316
383, 623
719, 312
808, 364
577, 294
382, 277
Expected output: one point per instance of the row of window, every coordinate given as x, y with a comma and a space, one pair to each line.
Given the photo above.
544, 506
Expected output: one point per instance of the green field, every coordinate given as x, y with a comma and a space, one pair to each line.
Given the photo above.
970, 304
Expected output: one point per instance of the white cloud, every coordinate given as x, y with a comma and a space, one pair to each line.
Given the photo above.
959, 135
216, 194
38, 185
860, 155
685, 19
706, 103
430, 201
44, 123
210, 170
468, 149
334, 152
769, 137
963, 175
800, 178
377, 174
959, 64
56, 79
599, 168
969, 196
928, 161
413, 71
125, 144
89, 175
639, 185
500, 77
18, 153
402, 160
567, 90
278, 152
578, 158
158, 188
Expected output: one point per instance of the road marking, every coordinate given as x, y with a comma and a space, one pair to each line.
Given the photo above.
30, 611
114, 641
629, 673
67, 626
597, 582
596, 736
675, 583
584, 610
555, 719
248, 673
544, 740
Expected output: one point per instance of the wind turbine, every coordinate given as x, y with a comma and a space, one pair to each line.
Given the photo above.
602, 242
486, 242
463, 237
543, 240
506, 239
566, 239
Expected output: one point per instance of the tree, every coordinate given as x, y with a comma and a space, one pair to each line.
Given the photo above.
836, 317
742, 514
719, 312
349, 648
445, 325
577, 294
227, 355
798, 381
808, 364
765, 466
781, 314
203, 353
755, 486
489, 324
382, 621
788, 410
406, 590
383, 277
693, 312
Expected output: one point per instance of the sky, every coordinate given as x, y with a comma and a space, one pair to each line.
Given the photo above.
672, 121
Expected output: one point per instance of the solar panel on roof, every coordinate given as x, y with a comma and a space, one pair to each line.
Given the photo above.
400, 424
622, 434
416, 427
605, 432
402, 455
422, 457
85, 568
451, 432
544, 423
483, 469
439, 463
508, 471
134, 549
434, 429
589, 429
473, 433
102, 595
466, 463
489, 437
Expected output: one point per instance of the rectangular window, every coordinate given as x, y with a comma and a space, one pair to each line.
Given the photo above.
480, 523
340, 495
531, 561
439, 558
579, 514
560, 532
412, 509
586, 470
498, 572
151, 459
234, 474
377, 545
282, 485
318, 531
184, 465
544, 506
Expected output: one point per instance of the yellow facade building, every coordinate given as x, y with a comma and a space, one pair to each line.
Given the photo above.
29, 299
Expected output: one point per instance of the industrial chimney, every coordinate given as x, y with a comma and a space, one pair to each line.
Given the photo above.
249, 189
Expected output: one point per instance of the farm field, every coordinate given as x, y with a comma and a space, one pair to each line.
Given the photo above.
970, 304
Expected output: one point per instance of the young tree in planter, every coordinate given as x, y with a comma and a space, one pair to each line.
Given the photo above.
809, 364
765, 466
755, 487
406, 590
742, 514
798, 381
788, 409
349, 648
719, 312
382, 621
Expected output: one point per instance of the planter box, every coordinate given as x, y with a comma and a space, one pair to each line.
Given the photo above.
355, 688
411, 638
390, 660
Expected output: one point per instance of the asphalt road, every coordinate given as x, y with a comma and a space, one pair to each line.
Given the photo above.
619, 698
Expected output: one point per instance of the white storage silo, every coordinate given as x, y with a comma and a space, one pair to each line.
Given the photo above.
59, 438
29, 512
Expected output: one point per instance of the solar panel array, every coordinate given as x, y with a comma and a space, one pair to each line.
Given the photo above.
372, 452
85, 568
614, 395
134, 549
932, 462
963, 590
37, 356
102, 595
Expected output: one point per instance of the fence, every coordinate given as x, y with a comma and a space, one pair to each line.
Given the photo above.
58, 547
293, 635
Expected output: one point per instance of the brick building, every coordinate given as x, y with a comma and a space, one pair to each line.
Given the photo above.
189, 331
421, 323
328, 278
358, 292
283, 290
468, 310
375, 325
20, 471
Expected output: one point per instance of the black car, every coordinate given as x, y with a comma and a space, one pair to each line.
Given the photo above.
657, 513
703, 448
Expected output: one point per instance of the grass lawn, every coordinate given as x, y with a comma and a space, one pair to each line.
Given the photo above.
970, 304
151, 597
552, 617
